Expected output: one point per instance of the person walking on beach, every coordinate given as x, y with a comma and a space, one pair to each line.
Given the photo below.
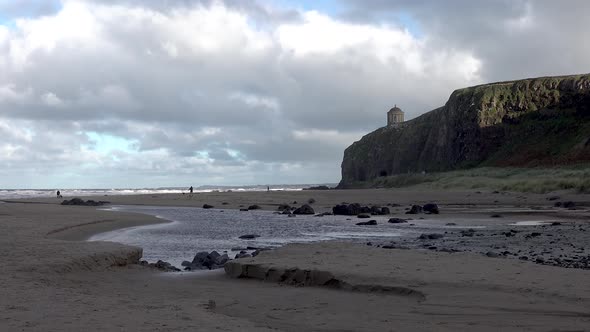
58, 194
190, 190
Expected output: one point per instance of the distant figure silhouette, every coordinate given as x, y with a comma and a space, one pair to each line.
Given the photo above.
190, 189
58, 194
267, 188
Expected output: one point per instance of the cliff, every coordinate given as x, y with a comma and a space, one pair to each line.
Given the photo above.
531, 122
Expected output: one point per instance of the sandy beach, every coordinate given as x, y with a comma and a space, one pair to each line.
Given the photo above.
53, 280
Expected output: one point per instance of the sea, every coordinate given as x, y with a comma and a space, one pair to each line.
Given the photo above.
40, 193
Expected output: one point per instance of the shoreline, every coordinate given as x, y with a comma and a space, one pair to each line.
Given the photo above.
50, 273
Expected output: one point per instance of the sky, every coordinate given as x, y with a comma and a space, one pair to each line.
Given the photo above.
159, 93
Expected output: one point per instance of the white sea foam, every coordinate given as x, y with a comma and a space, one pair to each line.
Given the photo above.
40, 193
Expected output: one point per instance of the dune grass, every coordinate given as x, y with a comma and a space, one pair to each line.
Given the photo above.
533, 180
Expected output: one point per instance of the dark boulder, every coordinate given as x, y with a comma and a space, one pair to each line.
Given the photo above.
254, 207
375, 210
304, 209
363, 216
81, 202
565, 205
432, 236
243, 255
249, 236
470, 232
207, 206
415, 209
568, 205
431, 208
164, 266
317, 188
283, 207
207, 261
347, 209
385, 211
367, 223
365, 209
397, 221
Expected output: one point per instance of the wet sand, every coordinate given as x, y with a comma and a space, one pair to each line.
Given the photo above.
51, 281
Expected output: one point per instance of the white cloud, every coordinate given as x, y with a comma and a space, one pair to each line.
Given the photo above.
265, 94
255, 101
51, 99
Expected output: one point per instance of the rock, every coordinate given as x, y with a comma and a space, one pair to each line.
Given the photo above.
249, 236
396, 221
495, 216
311, 201
254, 207
286, 211
244, 210
283, 207
204, 260
365, 209
292, 215
207, 206
185, 263
164, 266
451, 224
242, 255
304, 209
363, 216
470, 232
367, 223
379, 211
347, 209
492, 254
317, 188
556, 223
81, 202
375, 210
431, 208
533, 234
565, 205
552, 198
432, 236
415, 209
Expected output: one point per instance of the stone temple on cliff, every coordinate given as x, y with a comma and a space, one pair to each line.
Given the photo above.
395, 116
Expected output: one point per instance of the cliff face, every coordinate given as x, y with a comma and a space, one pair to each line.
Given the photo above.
541, 121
